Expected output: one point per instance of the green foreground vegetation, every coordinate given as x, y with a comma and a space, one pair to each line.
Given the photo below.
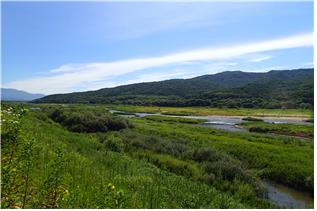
152, 162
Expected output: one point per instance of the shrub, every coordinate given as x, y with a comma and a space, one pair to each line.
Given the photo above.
225, 170
252, 119
114, 143
208, 178
212, 155
258, 130
204, 154
86, 121
159, 145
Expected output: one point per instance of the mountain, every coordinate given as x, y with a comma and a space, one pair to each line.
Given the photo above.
18, 95
273, 89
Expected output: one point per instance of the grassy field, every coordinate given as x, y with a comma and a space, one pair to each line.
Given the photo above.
155, 162
174, 119
203, 111
300, 130
281, 157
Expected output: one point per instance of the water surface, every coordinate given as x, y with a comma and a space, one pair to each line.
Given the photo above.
281, 195
216, 120
286, 197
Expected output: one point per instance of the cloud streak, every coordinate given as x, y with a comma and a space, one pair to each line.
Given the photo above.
69, 77
261, 59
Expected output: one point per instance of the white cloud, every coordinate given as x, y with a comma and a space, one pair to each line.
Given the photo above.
180, 73
261, 58
67, 77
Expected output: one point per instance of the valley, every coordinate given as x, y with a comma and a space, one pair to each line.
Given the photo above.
141, 160
157, 105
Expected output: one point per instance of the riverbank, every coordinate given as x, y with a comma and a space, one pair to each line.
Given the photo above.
286, 126
158, 161
298, 114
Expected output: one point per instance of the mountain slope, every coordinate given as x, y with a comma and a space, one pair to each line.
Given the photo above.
18, 95
274, 89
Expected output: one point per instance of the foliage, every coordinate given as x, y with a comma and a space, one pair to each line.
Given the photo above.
302, 130
275, 89
155, 164
86, 121
175, 119
283, 159
205, 111
114, 143
74, 170
252, 119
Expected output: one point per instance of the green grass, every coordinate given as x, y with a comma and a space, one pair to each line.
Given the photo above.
91, 167
170, 163
202, 111
160, 162
300, 130
88, 175
174, 119
282, 159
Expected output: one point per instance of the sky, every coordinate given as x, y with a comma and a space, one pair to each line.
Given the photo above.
62, 47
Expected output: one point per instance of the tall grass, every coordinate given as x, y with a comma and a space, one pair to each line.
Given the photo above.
71, 170
155, 164
300, 130
282, 159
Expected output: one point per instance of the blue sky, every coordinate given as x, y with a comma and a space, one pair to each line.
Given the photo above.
60, 47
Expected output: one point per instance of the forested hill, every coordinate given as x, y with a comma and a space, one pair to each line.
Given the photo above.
274, 89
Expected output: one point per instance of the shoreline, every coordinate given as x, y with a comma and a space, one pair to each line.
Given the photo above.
298, 118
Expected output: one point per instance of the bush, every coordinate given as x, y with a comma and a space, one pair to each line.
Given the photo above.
204, 154
258, 130
208, 178
115, 143
87, 121
212, 155
252, 119
43, 117
159, 145
225, 170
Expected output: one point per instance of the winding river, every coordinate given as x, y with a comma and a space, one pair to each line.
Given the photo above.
219, 122
281, 195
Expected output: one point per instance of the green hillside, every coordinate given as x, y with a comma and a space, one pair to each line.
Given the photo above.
274, 89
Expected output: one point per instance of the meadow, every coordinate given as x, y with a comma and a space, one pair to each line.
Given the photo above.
205, 111
300, 130
152, 162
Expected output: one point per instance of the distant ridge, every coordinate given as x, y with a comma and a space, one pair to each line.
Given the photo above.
18, 95
273, 89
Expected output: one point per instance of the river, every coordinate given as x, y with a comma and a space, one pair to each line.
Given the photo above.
281, 195
287, 197
219, 122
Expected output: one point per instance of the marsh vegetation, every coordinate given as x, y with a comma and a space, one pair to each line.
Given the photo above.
81, 156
